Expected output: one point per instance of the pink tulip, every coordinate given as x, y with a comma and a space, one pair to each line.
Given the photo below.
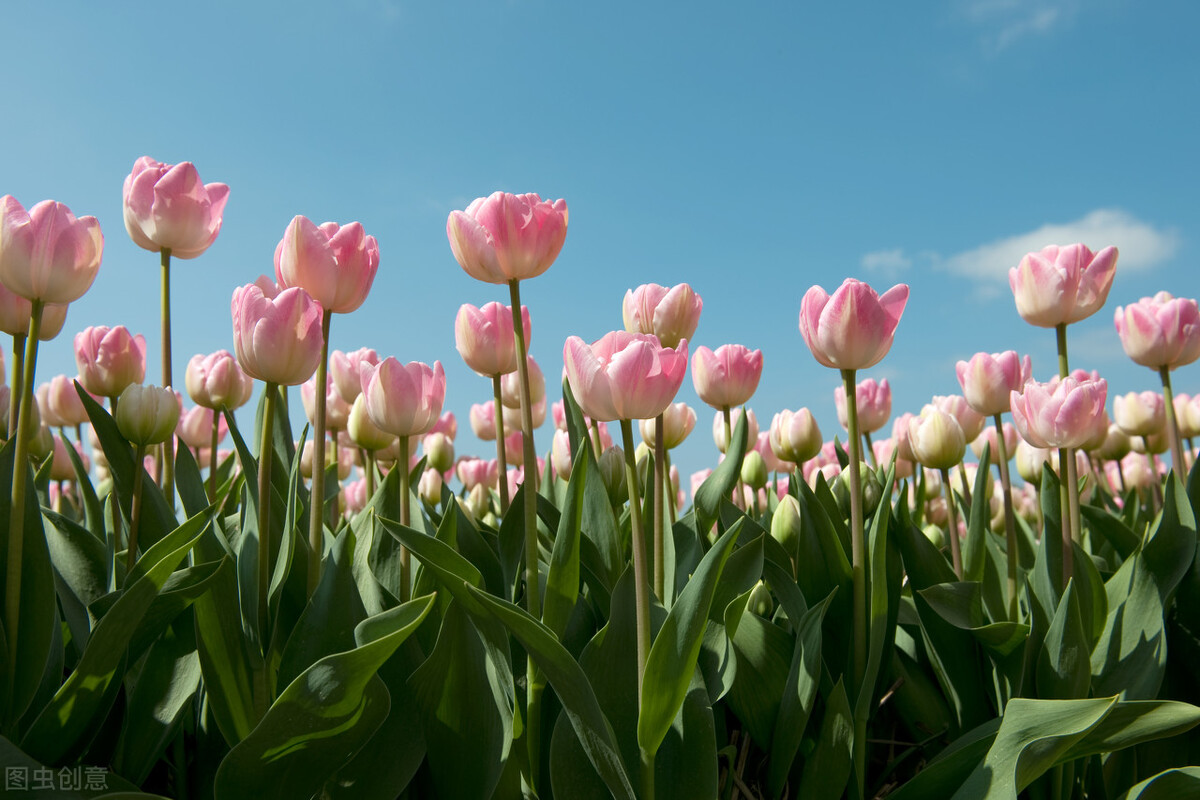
513, 420
514, 448
276, 341
49, 417
337, 410
795, 436
853, 328
446, 424
335, 264
346, 370
61, 468
728, 376
64, 402
167, 207
679, 419
473, 472
762, 445
718, 428
16, 311
624, 375
196, 425
404, 399
507, 237
969, 420
47, 254
884, 449
670, 314
216, 381
484, 337
988, 378
1061, 413
936, 439
356, 496
698, 479
988, 437
1140, 413
560, 454
269, 287
874, 404
483, 420
1060, 285
364, 433
345, 461
1160, 331
109, 359
510, 386
900, 437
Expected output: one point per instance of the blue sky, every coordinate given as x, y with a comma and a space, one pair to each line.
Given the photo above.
751, 151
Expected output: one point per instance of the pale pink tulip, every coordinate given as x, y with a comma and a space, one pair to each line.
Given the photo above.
560, 454
762, 445
884, 449
61, 468
853, 328
484, 337
510, 386
216, 381
670, 314
196, 425
336, 264
1160, 331
483, 420
16, 311
795, 436
1189, 424
337, 410
404, 399
1061, 413
46, 253
147, 414
346, 370
446, 424
624, 375
506, 237
356, 496
513, 419
474, 472
167, 207
1060, 285
362, 431
718, 427
109, 359
988, 437
50, 417
969, 420
1140, 413
514, 448
936, 439
988, 378
63, 401
276, 341
900, 436
679, 419
728, 376
874, 404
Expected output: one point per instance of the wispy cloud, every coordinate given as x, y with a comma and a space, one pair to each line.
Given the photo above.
1142, 246
1003, 23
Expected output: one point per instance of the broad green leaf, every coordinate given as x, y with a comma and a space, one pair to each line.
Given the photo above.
562, 581
828, 768
947, 771
188, 481
16, 763
978, 516
720, 483
93, 511
1064, 665
1170, 784
81, 567
1114, 531
961, 605
674, 652
764, 655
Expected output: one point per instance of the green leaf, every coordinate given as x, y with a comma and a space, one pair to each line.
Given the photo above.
1063, 665
829, 767
674, 652
92, 510
188, 481
69, 721
321, 719
764, 655
16, 763
573, 690
562, 582
947, 771
1169, 784
81, 566
961, 605
1123, 540
720, 483
978, 516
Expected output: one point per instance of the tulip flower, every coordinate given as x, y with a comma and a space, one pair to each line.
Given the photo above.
440, 451
404, 399
363, 432
1060, 413
728, 376
560, 454
853, 328
874, 404
337, 410
447, 423
196, 426
16, 311
483, 420
670, 314
109, 359
507, 237
63, 401
216, 381
1140, 413
795, 436
168, 208
968, 419
1060, 285
679, 419
484, 338
347, 369
937, 442
276, 341
47, 255
145, 415
987, 379
721, 430
473, 472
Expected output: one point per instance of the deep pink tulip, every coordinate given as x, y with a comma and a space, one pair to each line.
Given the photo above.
166, 206
1160, 331
670, 314
276, 341
404, 399
1061, 285
718, 428
337, 410
874, 404
483, 420
336, 264
46, 253
624, 375
728, 376
506, 237
1061, 413
216, 381
970, 421
679, 419
795, 436
196, 424
853, 328
484, 338
1140, 413
346, 370
16, 311
109, 359
988, 378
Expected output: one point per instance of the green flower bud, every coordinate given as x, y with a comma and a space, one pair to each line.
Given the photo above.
147, 414
787, 525
612, 472
871, 488
754, 470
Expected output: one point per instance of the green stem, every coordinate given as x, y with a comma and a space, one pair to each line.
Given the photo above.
18, 382
594, 435
501, 457
640, 578
648, 775
405, 517
739, 498
1061, 334
868, 448
135, 514
1010, 525
668, 488
212, 456
952, 525
265, 460
316, 503
660, 475
16, 518
168, 449
369, 463
1066, 491
1172, 425
858, 569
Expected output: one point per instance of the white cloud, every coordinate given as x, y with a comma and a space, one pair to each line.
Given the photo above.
1002, 23
887, 262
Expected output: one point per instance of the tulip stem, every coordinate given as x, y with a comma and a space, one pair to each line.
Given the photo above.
135, 514
869, 449
1066, 491
501, 457
858, 568
660, 474
316, 504
952, 525
265, 459
1010, 526
16, 517
1061, 333
168, 448
212, 455
739, 498
668, 488
640, 578
18, 382
1172, 425
594, 437
369, 469
405, 516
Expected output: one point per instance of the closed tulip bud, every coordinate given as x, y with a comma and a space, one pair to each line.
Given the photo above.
476, 471
196, 425
1116, 444
440, 451
900, 437
1099, 434
510, 386
795, 436
16, 312
679, 419
874, 403
484, 338
970, 420
734, 415
1155, 443
429, 487
670, 314
216, 381
514, 419
1060, 285
109, 359
728, 376
514, 449
935, 535
872, 490
560, 454
62, 468
478, 503
483, 420
47, 253
612, 472
506, 237
167, 207
761, 602
41, 444
754, 470
854, 328
363, 432
937, 440
1140, 413
277, 341
988, 378
1188, 427
787, 524
1160, 331
404, 399
1030, 462
335, 264
988, 436
147, 415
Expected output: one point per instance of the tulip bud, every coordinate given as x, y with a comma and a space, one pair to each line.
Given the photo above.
429, 488
795, 436
440, 451
478, 502
363, 432
936, 438
754, 470
760, 602
787, 524
871, 488
612, 472
935, 535
147, 415
1030, 462
560, 454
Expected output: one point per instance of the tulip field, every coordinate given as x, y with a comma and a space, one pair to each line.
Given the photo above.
993, 596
